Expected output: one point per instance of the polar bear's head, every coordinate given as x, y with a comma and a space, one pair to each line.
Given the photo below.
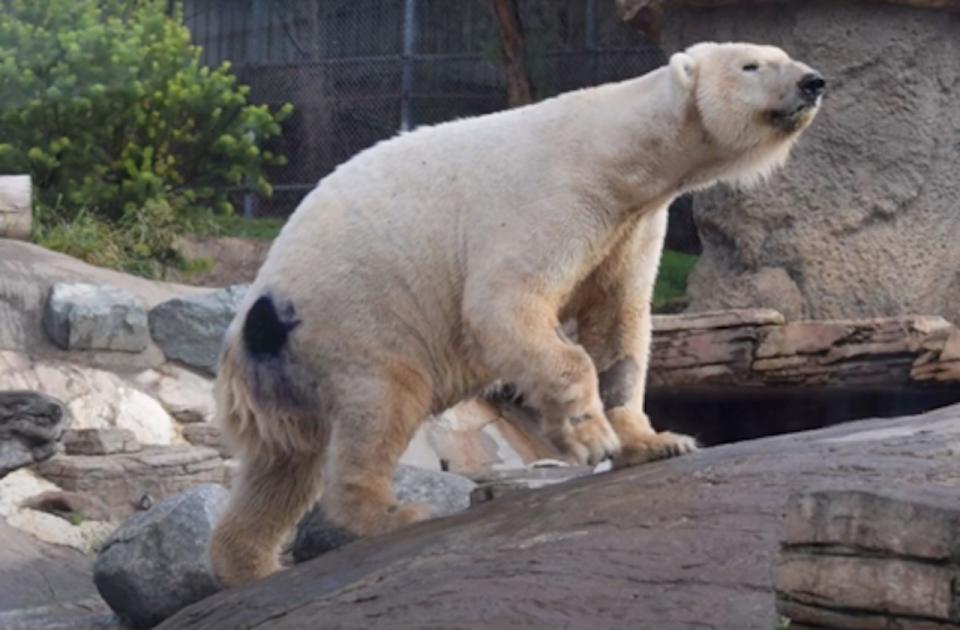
752, 100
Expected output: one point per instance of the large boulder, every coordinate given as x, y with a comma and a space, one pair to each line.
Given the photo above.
157, 562
31, 426
83, 316
688, 542
191, 329
863, 221
445, 493
97, 399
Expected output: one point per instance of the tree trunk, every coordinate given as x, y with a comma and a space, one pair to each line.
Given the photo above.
519, 90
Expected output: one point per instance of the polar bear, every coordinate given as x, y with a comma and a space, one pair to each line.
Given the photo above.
438, 261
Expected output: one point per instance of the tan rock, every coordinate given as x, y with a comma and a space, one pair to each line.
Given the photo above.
206, 434
717, 319
186, 395
473, 436
16, 207
122, 480
97, 399
855, 554
17, 488
99, 441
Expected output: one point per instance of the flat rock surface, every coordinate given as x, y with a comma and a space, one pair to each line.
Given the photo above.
684, 543
34, 574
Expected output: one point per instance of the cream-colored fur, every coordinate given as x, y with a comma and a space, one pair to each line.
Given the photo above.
428, 266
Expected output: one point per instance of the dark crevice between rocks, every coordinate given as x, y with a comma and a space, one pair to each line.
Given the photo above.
721, 415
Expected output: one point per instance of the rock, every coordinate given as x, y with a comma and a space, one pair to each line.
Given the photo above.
86, 614
95, 317
756, 347
31, 426
157, 562
18, 489
855, 558
682, 543
206, 434
185, 395
445, 493
16, 207
766, 287
815, 230
40, 577
497, 484
96, 399
72, 506
479, 435
27, 273
121, 480
190, 329
99, 441
234, 260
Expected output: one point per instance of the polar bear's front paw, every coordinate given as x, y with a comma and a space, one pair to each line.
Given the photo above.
648, 448
588, 439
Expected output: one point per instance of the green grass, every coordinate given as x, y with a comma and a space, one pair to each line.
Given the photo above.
670, 292
259, 229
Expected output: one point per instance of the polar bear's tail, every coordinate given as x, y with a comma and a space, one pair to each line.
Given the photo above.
264, 403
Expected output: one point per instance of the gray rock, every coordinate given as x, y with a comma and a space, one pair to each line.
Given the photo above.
90, 317
100, 441
157, 562
31, 426
444, 492
190, 329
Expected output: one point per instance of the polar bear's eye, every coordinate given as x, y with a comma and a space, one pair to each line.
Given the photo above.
751, 67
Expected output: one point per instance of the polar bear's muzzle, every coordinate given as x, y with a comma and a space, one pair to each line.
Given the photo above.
797, 112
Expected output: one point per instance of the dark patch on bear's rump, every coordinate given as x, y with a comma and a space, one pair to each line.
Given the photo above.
265, 333
617, 383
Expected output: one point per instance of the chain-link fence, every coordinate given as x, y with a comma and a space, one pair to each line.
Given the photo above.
357, 71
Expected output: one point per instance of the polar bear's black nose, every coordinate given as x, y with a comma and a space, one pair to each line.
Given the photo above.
812, 85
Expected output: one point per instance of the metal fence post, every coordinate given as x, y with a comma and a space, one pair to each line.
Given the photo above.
257, 34
590, 38
256, 53
409, 49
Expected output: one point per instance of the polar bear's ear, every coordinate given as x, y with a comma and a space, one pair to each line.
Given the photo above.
683, 70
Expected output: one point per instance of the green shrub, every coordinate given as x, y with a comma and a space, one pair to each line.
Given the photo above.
106, 105
670, 291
